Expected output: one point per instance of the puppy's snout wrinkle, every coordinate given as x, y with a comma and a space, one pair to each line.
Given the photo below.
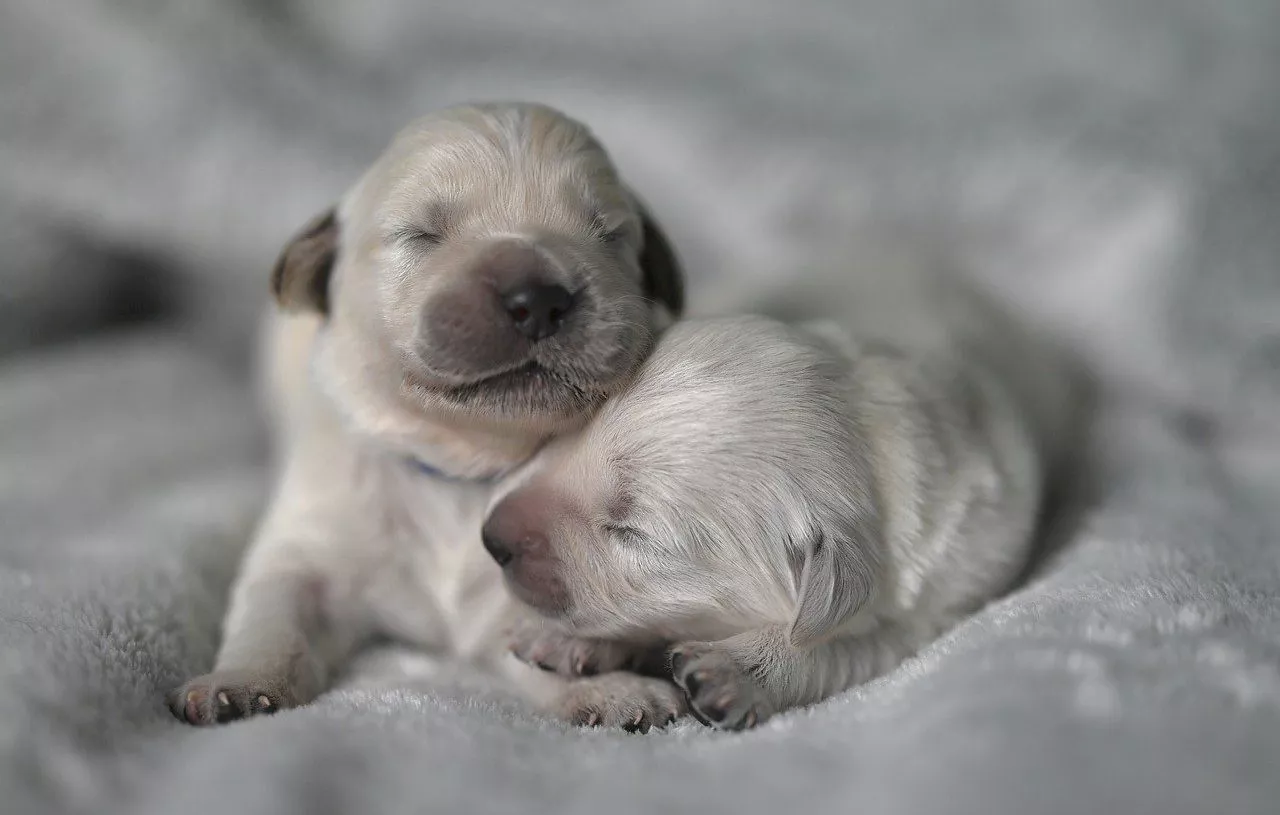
537, 310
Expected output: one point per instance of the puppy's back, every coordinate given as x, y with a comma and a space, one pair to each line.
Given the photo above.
911, 299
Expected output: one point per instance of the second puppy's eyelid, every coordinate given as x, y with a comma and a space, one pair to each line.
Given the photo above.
627, 531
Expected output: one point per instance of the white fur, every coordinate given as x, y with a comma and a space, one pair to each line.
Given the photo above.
797, 508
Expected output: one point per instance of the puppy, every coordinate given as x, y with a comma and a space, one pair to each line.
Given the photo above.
484, 287
793, 509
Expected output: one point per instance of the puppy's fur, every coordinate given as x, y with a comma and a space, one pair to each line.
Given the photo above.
794, 508
403, 384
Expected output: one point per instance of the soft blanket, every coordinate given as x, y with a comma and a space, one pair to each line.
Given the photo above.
1110, 168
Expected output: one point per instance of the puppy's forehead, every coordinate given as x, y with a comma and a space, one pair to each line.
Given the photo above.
520, 157
722, 390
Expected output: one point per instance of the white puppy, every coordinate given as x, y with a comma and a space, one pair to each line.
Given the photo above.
792, 509
482, 288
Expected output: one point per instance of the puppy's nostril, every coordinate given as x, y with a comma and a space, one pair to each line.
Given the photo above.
501, 554
537, 310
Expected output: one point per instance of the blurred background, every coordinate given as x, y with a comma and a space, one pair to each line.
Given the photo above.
1110, 168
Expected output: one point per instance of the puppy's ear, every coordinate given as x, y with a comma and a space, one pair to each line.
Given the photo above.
836, 578
663, 275
300, 279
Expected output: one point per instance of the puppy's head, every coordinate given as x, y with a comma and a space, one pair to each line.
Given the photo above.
722, 491
490, 268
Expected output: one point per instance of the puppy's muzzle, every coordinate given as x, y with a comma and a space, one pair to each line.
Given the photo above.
513, 299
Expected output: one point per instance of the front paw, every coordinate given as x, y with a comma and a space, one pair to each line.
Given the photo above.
621, 700
721, 692
555, 651
225, 696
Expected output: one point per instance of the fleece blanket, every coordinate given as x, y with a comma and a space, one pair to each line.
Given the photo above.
1109, 168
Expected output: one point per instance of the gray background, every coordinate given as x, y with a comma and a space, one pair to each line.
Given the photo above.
1112, 169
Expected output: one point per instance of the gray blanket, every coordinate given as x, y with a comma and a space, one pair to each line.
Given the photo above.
1111, 168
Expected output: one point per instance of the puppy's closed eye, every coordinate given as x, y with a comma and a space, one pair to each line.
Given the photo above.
416, 237
627, 534
429, 228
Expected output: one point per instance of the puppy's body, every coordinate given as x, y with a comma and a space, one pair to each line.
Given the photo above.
399, 541
797, 509
483, 288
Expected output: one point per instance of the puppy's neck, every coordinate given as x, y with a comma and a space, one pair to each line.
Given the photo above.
457, 451
375, 402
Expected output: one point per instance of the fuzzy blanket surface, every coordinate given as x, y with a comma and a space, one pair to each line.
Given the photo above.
1111, 168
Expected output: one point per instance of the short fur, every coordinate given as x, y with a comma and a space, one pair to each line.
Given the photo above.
792, 509
395, 357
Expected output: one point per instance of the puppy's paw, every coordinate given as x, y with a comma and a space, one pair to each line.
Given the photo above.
225, 696
566, 655
633, 703
721, 692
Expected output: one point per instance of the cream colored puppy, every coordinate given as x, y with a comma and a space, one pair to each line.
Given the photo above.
793, 509
484, 287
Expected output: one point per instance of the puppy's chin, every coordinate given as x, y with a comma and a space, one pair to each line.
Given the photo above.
531, 391
553, 386
554, 604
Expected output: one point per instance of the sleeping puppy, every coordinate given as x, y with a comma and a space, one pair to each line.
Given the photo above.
791, 509
481, 289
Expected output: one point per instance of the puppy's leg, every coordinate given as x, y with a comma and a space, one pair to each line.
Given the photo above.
297, 609
281, 642
545, 645
740, 682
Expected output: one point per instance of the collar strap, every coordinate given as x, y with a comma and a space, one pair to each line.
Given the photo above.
424, 468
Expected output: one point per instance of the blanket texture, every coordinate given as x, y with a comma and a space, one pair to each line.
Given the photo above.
1110, 168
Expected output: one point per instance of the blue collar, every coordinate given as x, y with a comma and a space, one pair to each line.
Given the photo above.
435, 472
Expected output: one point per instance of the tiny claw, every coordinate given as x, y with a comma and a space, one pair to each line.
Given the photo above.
593, 718
677, 661
692, 683
191, 709
750, 720
637, 724
226, 711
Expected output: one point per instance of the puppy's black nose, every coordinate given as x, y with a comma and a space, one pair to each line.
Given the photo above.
537, 309
496, 549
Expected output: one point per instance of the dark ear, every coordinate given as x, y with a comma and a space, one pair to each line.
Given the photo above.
300, 279
836, 578
663, 276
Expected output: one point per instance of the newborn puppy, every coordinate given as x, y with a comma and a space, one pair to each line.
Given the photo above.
794, 510
482, 288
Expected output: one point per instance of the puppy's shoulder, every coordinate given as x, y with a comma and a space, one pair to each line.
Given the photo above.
297, 410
